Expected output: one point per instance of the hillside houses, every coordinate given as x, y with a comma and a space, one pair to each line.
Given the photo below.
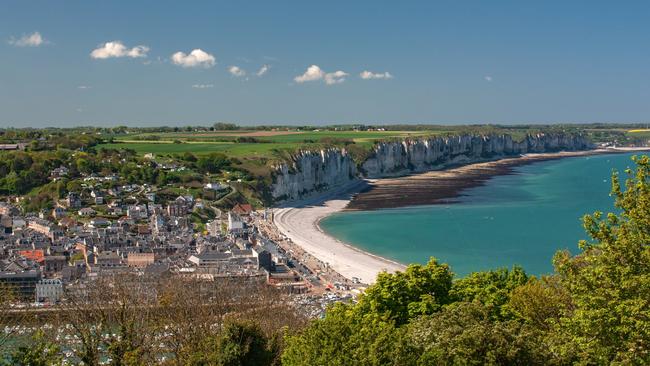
103, 229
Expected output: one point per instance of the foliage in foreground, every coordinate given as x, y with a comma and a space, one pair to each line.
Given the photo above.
595, 309
141, 320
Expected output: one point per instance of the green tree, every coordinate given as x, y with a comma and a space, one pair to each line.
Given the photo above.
466, 334
212, 163
39, 352
403, 295
188, 156
490, 288
346, 337
12, 183
74, 186
84, 165
540, 302
243, 344
609, 281
222, 126
9, 321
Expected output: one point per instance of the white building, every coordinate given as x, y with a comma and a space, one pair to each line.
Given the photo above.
137, 212
215, 186
214, 227
235, 223
49, 290
87, 212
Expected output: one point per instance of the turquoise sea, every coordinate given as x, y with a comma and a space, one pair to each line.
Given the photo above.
515, 219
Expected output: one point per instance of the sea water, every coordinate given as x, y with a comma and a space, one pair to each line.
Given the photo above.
519, 219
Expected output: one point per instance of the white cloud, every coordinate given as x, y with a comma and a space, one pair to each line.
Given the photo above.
202, 86
315, 73
196, 58
28, 40
335, 77
367, 75
118, 49
236, 71
83, 87
488, 78
263, 70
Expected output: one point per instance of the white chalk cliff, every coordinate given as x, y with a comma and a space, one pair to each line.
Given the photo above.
311, 172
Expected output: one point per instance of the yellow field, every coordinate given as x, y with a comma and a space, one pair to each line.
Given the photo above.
639, 130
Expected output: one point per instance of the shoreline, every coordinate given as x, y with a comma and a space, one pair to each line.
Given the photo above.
300, 223
300, 220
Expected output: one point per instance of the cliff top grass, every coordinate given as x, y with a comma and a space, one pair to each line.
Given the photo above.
257, 150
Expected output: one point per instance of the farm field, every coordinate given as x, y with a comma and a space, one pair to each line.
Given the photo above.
201, 148
268, 142
641, 133
272, 136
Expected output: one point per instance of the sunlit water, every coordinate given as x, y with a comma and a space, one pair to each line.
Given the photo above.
516, 219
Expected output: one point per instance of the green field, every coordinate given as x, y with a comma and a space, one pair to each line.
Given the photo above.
224, 141
639, 133
201, 148
269, 136
273, 145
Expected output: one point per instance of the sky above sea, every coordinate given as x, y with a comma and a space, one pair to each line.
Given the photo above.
68, 63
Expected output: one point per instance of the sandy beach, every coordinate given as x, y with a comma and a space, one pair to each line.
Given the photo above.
299, 220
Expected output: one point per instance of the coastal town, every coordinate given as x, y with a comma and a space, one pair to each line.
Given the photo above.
98, 233
108, 221
411, 183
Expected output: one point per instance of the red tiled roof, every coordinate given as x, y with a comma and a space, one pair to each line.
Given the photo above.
37, 255
243, 209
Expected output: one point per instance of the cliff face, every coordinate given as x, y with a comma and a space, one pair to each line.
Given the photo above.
313, 171
390, 159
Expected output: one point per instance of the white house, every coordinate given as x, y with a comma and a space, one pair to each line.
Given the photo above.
87, 212
49, 290
235, 223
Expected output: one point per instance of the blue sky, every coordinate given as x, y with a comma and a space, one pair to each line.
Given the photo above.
448, 62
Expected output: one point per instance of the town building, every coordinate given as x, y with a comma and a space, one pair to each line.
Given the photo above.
58, 212
214, 227
73, 200
59, 172
46, 228
140, 260
23, 283
97, 196
87, 212
19, 146
235, 223
242, 209
137, 212
7, 209
49, 290
54, 263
